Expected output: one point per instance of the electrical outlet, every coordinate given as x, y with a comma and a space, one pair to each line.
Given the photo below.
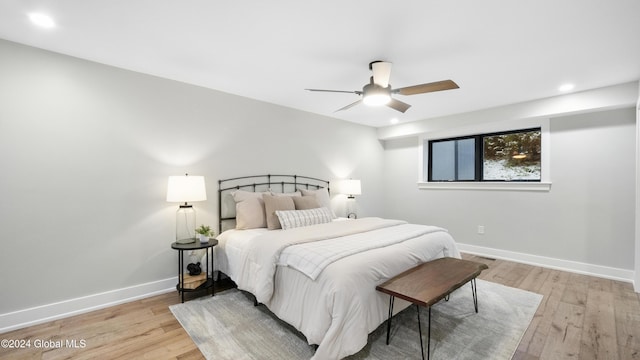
481, 229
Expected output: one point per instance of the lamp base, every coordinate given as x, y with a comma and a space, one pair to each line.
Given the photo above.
186, 241
351, 208
185, 224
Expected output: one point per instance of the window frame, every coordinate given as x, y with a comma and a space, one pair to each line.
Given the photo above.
480, 129
479, 156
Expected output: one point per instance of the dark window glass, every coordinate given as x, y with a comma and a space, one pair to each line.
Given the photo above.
453, 160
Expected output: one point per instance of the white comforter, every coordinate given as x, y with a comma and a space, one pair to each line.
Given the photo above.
311, 257
340, 307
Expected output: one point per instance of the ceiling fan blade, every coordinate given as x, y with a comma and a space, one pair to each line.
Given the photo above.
381, 72
336, 91
398, 105
349, 106
426, 88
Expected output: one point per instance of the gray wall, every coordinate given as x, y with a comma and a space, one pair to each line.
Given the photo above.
588, 216
85, 152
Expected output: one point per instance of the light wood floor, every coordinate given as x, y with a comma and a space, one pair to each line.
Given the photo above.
580, 317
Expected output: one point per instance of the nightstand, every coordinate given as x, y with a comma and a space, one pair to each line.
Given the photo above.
208, 282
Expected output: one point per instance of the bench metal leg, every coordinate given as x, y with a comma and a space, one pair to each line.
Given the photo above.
391, 299
420, 332
474, 291
428, 334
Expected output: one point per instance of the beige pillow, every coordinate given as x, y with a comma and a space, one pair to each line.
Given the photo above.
250, 212
305, 202
276, 203
321, 195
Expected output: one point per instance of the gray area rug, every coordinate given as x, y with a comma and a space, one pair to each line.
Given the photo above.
228, 326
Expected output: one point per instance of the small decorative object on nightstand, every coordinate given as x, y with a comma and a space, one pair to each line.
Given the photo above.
202, 281
204, 232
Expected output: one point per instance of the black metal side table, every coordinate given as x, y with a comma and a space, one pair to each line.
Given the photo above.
195, 246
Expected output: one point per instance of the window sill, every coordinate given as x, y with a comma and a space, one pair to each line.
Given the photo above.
497, 185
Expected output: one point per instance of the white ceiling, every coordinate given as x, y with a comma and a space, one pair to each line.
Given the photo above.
498, 51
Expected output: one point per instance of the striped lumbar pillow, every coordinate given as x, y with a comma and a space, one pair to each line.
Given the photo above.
290, 219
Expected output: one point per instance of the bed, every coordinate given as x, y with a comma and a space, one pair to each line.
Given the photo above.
315, 271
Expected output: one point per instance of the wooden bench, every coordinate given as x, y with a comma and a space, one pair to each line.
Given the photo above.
428, 283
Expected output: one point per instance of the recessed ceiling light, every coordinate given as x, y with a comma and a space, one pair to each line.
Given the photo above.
394, 121
566, 87
42, 20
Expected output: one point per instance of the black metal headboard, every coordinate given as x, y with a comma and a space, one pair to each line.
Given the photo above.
253, 183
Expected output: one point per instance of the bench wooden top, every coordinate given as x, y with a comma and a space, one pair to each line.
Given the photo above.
428, 283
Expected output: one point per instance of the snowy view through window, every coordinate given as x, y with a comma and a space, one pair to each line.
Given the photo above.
513, 156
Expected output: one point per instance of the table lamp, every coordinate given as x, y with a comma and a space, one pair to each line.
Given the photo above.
351, 188
184, 189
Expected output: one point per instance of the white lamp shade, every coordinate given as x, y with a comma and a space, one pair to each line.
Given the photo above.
350, 187
186, 188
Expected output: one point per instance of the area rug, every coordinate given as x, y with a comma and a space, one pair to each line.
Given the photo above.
228, 326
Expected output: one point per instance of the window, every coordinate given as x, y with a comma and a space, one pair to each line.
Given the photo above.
502, 156
452, 160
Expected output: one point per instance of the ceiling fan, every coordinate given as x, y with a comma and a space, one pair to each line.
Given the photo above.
378, 91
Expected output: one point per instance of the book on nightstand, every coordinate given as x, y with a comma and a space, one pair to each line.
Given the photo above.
193, 281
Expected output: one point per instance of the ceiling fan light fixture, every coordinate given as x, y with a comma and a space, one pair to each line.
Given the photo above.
376, 99
375, 95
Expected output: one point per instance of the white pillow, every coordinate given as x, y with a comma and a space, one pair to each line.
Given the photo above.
290, 219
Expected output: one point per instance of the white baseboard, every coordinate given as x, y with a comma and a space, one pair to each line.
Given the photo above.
552, 263
44, 313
